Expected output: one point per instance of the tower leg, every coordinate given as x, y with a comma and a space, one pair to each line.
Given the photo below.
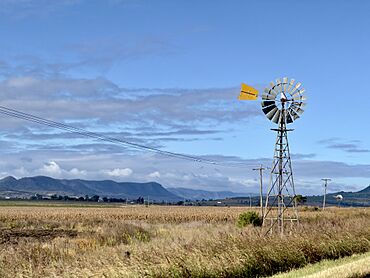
280, 204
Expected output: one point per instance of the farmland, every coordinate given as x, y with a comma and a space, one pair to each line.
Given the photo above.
166, 241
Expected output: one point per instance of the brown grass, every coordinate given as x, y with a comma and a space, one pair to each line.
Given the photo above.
168, 242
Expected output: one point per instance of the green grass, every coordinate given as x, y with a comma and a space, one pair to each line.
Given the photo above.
349, 267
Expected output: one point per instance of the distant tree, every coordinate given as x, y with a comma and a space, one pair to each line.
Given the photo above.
54, 197
38, 196
95, 198
81, 199
140, 200
300, 199
105, 199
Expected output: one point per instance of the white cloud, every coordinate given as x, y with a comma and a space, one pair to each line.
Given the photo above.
21, 82
77, 173
21, 172
119, 172
155, 174
51, 169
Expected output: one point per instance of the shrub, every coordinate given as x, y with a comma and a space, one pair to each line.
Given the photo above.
249, 217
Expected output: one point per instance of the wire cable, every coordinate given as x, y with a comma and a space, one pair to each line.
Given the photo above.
42, 121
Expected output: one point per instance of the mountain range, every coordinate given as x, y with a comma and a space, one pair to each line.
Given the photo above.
28, 186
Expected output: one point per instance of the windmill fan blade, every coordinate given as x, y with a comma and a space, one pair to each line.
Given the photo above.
278, 87
299, 104
290, 84
295, 105
270, 114
299, 92
276, 117
285, 82
270, 93
273, 92
267, 109
268, 97
296, 87
299, 98
293, 113
302, 105
289, 118
296, 109
300, 111
267, 103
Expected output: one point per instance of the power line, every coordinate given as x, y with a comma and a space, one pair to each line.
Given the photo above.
42, 121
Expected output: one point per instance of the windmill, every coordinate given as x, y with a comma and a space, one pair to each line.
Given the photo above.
282, 102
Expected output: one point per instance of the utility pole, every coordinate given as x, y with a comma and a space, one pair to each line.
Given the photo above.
260, 169
325, 186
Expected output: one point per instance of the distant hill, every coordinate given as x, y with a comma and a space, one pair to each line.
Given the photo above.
359, 198
365, 190
194, 194
350, 199
28, 186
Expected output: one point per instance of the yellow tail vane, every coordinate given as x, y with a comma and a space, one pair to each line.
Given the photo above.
248, 93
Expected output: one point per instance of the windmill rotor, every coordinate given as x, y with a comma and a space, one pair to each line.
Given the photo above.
283, 94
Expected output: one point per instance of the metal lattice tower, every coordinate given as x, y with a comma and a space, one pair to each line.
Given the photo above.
282, 103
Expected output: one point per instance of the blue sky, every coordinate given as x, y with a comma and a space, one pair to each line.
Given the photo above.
167, 74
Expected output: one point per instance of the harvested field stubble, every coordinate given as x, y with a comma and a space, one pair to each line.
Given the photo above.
168, 242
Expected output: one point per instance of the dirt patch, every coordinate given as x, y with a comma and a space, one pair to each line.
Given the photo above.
12, 236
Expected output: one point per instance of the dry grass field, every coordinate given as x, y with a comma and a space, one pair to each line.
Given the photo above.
159, 241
